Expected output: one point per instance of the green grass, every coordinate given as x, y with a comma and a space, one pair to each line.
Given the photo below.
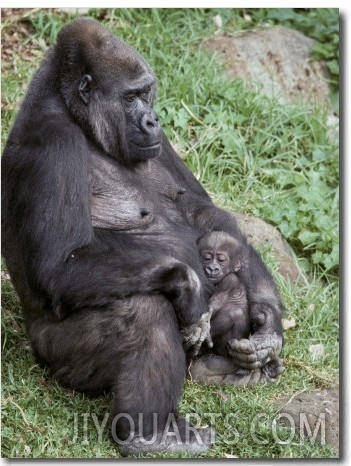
253, 155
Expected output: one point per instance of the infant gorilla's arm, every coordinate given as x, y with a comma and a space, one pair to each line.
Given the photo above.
230, 318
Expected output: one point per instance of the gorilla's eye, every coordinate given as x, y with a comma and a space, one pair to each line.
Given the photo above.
221, 259
207, 257
130, 98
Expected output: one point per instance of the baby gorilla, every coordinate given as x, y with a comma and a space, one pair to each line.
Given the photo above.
220, 255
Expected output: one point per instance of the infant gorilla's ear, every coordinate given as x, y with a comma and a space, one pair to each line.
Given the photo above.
236, 265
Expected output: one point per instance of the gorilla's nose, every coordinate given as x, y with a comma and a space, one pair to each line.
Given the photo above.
212, 270
149, 123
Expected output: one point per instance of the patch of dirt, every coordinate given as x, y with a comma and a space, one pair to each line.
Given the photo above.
17, 35
320, 409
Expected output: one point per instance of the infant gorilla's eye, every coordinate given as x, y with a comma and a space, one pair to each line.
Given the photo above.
221, 259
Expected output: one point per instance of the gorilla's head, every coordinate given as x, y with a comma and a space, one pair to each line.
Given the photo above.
109, 89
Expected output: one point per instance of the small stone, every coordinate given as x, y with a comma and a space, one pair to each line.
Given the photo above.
288, 323
217, 21
317, 351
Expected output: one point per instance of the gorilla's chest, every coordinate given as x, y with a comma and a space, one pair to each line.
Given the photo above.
126, 199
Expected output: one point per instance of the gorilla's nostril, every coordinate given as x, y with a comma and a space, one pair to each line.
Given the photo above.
144, 211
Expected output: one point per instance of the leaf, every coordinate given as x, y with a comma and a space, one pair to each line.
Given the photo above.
319, 155
281, 14
181, 119
223, 395
308, 237
333, 66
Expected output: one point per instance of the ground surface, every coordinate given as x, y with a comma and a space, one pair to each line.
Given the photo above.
312, 405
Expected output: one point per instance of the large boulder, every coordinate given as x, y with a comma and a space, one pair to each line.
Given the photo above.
260, 234
278, 59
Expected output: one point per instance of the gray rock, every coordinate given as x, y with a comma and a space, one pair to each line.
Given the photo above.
260, 234
75, 11
278, 59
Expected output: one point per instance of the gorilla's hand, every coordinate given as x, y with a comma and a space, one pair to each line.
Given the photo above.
261, 350
195, 334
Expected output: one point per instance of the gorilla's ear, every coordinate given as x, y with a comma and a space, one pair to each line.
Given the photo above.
85, 88
237, 265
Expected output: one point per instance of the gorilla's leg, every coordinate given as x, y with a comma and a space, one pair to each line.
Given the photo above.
229, 322
149, 385
82, 350
135, 350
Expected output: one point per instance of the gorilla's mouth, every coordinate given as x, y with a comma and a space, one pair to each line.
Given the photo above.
152, 146
146, 152
139, 153
214, 279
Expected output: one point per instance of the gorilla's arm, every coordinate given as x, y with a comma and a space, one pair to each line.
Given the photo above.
265, 305
75, 285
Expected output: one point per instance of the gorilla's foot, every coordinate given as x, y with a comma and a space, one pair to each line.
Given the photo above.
212, 368
273, 369
196, 442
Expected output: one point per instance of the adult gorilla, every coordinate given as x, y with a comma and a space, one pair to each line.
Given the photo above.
100, 223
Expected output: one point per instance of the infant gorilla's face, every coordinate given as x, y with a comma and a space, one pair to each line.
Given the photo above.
219, 254
216, 264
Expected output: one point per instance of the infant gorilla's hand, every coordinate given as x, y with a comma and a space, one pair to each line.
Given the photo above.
257, 352
195, 334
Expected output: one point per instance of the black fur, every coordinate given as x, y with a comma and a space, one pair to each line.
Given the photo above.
104, 305
221, 258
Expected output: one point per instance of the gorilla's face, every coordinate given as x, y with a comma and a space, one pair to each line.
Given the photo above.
110, 89
122, 118
220, 255
143, 130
